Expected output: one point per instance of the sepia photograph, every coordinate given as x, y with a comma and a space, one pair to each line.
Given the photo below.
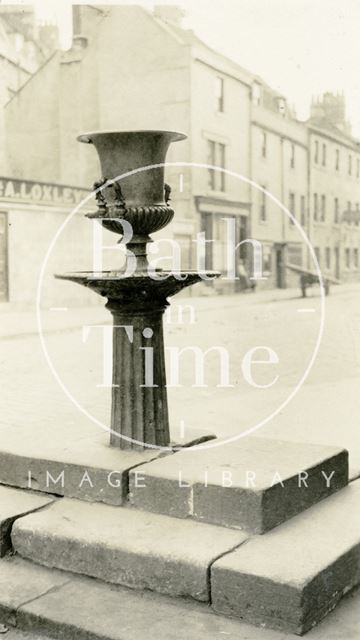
179, 320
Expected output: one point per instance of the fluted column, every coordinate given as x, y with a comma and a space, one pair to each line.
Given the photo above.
139, 401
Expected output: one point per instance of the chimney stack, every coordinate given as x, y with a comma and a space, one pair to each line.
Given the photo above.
79, 41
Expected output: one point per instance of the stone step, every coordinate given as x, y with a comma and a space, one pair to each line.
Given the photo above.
252, 484
45, 604
15, 503
124, 546
293, 576
287, 579
38, 601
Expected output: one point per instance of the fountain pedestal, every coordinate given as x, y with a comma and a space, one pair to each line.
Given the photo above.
139, 410
134, 192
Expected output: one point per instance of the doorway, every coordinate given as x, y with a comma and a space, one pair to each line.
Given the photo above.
4, 288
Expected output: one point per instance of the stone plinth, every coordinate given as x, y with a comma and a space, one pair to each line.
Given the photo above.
87, 468
252, 484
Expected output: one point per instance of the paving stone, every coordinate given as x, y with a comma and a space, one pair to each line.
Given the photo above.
252, 484
20, 582
124, 546
14, 504
293, 576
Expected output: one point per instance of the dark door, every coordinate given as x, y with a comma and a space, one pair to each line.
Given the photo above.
280, 266
337, 262
3, 257
207, 227
242, 235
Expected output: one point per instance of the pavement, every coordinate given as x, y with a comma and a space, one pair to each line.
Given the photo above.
13, 634
63, 400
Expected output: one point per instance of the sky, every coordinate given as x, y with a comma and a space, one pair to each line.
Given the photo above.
301, 48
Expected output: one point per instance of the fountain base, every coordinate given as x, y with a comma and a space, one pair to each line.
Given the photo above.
139, 410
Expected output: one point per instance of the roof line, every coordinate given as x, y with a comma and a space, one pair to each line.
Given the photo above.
339, 137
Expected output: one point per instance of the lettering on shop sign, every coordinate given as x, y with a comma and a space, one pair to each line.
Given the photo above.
28, 191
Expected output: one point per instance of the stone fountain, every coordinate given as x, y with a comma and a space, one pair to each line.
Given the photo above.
136, 194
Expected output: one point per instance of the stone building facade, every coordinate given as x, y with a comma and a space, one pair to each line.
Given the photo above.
334, 189
132, 69
279, 157
24, 46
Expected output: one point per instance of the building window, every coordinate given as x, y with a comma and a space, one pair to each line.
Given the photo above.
263, 214
323, 161
348, 216
347, 258
292, 206
216, 158
316, 206
292, 156
336, 210
356, 258
350, 165
316, 155
337, 160
328, 257
323, 208
302, 211
317, 254
358, 167
263, 144
219, 94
